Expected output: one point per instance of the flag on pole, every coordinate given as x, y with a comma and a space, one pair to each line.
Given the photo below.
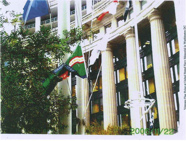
59, 74
129, 5
76, 62
35, 8
101, 47
102, 15
112, 8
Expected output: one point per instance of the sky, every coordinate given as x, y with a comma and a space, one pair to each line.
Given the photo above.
17, 6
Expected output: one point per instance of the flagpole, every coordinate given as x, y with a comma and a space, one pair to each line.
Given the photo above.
138, 59
93, 89
50, 21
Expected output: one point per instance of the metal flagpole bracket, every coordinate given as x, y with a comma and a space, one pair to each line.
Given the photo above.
145, 103
141, 102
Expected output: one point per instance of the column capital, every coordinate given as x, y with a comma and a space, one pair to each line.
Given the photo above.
108, 48
129, 33
155, 14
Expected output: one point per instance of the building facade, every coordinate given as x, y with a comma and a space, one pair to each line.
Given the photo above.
141, 60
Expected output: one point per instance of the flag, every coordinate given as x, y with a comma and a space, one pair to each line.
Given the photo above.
76, 62
129, 5
100, 47
94, 56
126, 13
50, 83
102, 15
35, 8
63, 71
59, 74
110, 9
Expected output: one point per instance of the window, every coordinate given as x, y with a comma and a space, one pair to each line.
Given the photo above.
120, 64
95, 106
95, 1
146, 53
47, 21
98, 84
72, 12
42, 22
172, 43
146, 65
175, 46
151, 85
123, 96
83, 7
54, 19
74, 90
125, 120
155, 110
96, 88
123, 74
173, 52
149, 61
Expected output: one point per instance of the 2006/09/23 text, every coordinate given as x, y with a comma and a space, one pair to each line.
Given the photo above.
155, 131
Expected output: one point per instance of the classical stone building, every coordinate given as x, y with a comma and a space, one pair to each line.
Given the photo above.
141, 60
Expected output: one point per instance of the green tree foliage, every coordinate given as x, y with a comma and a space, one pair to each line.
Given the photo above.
27, 61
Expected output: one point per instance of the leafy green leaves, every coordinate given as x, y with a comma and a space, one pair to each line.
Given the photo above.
30, 58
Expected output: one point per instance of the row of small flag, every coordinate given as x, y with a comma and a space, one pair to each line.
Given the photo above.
38, 8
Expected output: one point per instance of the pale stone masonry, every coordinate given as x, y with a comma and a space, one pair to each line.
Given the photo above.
150, 17
164, 92
133, 77
109, 89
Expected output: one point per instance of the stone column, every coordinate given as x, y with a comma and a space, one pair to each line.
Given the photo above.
82, 100
37, 23
80, 104
86, 99
78, 13
136, 5
133, 77
164, 92
114, 23
102, 30
65, 85
179, 7
63, 17
89, 6
109, 89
